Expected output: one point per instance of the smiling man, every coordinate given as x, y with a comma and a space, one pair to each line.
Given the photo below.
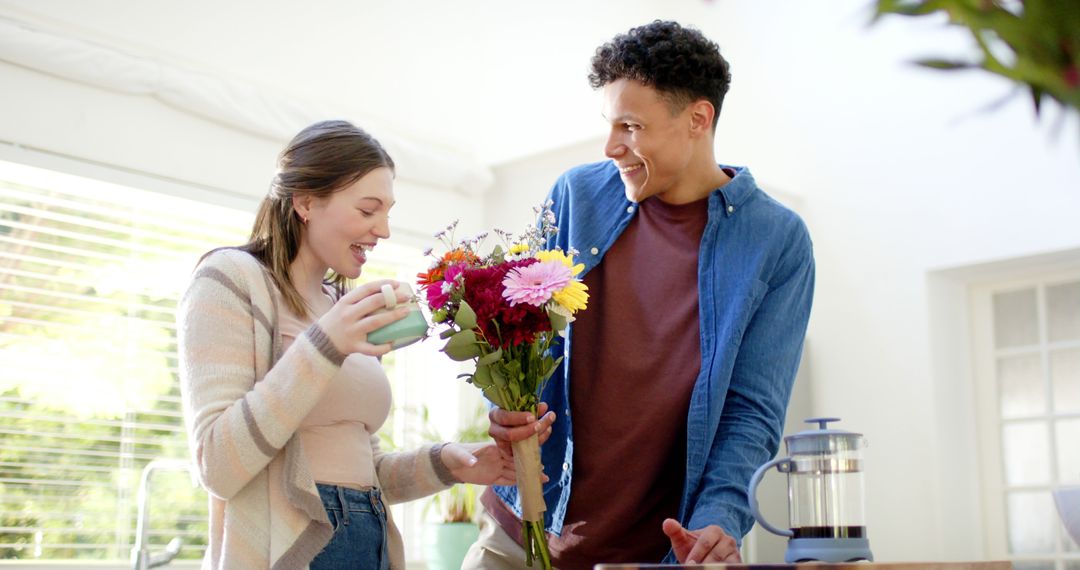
677, 377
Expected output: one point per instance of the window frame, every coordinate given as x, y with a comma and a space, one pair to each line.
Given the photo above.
990, 422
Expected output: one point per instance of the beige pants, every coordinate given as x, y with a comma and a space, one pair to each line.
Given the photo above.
494, 550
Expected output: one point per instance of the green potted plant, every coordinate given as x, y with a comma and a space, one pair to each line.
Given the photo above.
448, 540
454, 530
1035, 44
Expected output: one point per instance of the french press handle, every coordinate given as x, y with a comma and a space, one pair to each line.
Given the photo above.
783, 464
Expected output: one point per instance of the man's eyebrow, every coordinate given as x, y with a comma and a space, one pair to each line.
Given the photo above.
620, 118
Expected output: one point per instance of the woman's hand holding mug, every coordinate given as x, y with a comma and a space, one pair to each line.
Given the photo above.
356, 314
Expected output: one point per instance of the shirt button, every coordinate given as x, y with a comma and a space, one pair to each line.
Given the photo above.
629, 209
565, 466
730, 209
594, 251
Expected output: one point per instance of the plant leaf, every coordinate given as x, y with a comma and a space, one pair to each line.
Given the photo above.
945, 64
490, 358
554, 366
497, 377
558, 322
462, 346
482, 377
493, 395
465, 317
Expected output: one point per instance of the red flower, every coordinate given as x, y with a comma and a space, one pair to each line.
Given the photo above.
500, 324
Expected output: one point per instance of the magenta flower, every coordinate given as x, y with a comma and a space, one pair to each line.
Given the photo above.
438, 293
535, 283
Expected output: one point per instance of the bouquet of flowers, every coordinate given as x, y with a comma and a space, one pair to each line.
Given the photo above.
503, 311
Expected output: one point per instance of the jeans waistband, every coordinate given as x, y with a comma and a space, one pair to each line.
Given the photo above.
350, 499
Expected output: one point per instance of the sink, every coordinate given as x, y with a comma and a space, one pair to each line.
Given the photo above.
141, 557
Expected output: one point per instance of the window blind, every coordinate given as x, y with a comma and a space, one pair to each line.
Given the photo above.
89, 281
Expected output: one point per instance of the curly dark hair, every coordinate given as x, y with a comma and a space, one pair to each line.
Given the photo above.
679, 62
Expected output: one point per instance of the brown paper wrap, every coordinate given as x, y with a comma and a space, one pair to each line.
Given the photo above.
530, 487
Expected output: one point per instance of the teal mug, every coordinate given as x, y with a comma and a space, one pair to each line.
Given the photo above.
402, 332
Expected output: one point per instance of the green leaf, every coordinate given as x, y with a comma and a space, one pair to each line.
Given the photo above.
494, 396
513, 371
462, 346
554, 366
945, 64
558, 322
497, 377
482, 377
465, 316
447, 333
490, 358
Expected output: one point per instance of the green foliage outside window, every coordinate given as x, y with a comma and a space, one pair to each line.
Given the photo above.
88, 390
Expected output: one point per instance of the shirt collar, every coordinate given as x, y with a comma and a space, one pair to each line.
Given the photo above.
738, 190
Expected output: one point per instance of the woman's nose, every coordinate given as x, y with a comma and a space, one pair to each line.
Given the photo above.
382, 229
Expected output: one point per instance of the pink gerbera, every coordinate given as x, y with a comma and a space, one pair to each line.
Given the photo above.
535, 283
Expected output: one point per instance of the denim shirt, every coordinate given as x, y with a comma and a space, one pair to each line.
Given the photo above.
755, 287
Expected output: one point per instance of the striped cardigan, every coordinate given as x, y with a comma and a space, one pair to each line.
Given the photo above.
243, 402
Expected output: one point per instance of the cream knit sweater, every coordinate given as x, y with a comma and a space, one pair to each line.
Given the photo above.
243, 401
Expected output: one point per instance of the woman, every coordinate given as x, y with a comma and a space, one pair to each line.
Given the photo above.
282, 392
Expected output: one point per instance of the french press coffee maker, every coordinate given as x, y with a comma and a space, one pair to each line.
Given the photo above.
825, 495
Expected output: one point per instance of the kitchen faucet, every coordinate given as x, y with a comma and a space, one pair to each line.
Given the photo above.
141, 559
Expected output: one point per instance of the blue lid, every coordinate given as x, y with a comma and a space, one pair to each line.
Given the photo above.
823, 439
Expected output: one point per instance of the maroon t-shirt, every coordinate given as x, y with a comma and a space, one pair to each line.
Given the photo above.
635, 356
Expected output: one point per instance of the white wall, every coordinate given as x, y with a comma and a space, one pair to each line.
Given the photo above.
900, 174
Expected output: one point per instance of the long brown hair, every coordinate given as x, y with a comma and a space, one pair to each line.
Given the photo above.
321, 159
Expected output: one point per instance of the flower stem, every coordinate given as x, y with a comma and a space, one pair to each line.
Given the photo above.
540, 547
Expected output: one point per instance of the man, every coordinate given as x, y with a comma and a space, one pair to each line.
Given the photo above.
678, 373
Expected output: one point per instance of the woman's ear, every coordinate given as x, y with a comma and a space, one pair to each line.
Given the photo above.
302, 206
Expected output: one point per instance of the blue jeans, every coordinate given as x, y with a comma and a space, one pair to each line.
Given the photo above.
359, 521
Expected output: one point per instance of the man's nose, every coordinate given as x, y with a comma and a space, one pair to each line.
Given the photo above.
615, 146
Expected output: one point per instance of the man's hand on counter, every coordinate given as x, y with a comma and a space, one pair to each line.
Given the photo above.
709, 544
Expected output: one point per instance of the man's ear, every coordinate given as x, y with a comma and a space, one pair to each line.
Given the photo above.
701, 117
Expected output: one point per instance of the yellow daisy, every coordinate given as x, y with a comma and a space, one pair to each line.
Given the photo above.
573, 297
